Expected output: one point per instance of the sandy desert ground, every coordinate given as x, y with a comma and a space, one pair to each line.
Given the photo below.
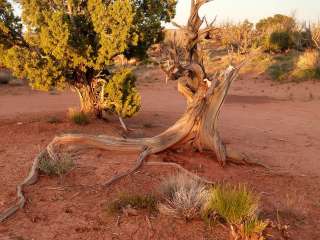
278, 125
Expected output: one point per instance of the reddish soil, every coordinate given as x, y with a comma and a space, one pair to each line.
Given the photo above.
279, 127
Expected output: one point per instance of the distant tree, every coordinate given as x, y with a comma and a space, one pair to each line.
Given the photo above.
74, 42
280, 32
277, 23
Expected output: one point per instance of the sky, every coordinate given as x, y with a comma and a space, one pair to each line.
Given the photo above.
253, 10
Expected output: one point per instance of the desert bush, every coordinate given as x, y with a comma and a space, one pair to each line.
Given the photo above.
57, 167
78, 117
137, 202
282, 66
279, 41
183, 197
301, 39
310, 59
280, 32
307, 66
238, 207
276, 23
280, 71
240, 37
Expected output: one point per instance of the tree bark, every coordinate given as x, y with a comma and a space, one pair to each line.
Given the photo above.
88, 103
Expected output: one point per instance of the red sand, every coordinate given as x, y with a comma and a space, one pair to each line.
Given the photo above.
279, 126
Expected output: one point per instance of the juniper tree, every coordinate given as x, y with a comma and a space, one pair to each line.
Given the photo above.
73, 43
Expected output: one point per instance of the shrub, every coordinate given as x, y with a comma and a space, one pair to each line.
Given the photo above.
307, 66
148, 202
233, 204
280, 71
55, 167
282, 66
277, 22
310, 59
238, 207
183, 197
279, 42
78, 117
301, 40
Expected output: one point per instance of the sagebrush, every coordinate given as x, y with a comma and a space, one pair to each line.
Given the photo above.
183, 197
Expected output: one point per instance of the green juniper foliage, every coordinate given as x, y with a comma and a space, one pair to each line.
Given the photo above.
147, 23
120, 95
73, 43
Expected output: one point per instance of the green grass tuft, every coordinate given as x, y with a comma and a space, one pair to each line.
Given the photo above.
233, 204
238, 207
56, 167
137, 202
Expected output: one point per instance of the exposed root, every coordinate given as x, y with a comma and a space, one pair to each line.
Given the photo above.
139, 163
238, 158
29, 180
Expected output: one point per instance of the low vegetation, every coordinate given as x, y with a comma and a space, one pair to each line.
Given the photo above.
238, 207
187, 198
78, 117
183, 197
57, 167
127, 202
307, 66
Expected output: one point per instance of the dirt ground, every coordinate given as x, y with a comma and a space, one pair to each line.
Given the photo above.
276, 124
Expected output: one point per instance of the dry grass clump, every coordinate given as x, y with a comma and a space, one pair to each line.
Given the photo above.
127, 203
308, 66
238, 207
78, 117
57, 167
251, 229
183, 197
310, 59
